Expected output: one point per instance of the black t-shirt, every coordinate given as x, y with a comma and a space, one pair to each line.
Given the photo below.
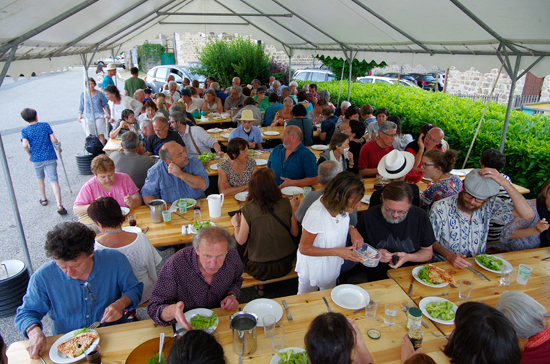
355, 149
407, 236
376, 197
154, 142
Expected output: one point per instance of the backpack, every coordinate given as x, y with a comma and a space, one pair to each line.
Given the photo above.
93, 145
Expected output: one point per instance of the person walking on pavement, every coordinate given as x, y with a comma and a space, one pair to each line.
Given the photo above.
37, 139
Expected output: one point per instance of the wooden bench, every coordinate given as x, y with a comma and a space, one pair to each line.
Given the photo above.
250, 281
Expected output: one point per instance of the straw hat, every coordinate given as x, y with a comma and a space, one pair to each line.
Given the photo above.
396, 164
247, 115
110, 67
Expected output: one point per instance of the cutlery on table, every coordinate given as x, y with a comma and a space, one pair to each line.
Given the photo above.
43, 361
94, 326
439, 335
411, 286
161, 344
406, 309
326, 303
180, 215
288, 315
452, 285
145, 231
439, 295
478, 273
545, 258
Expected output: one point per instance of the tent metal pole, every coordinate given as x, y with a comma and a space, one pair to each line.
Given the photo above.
350, 61
84, 61
162, 13
482, 117
7, 64
341, 80
15, 209
48, 24
531, 66
510, 100
289, 68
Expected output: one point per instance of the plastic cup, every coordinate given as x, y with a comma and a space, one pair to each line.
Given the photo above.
182, 206
506, 276
524, 272
269, 322
465, 290
197, 215
370, 309
390, 314
278, 338
167, 217
306, 191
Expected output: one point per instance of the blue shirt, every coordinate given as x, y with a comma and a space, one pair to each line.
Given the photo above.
107, 81
40, 143
255, 135
98, 102
301, 163
270, 113
168, 187
68, 302
327, 126
307, 129
221, 95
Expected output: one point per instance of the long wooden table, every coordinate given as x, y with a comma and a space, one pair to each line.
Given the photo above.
488, 292
117, 342
221, 137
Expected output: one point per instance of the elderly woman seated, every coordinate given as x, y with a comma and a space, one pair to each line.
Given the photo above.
338, 151
234, 173
529, 320
143, 257
107, 183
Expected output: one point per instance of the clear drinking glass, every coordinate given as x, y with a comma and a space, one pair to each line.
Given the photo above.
506, 276
370, 309
278, 338
197, 215
269, 322
465, 289
391, 312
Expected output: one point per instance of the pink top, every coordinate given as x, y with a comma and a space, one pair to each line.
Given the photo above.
123, 186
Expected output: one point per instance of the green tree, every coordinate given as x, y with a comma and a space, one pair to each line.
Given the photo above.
225, 59
149, 55
359, 68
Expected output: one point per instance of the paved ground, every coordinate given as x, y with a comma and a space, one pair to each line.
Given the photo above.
56, 98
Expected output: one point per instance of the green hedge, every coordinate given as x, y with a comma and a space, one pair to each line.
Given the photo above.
527, 146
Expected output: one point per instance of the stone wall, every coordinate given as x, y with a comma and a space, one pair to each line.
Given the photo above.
545, 92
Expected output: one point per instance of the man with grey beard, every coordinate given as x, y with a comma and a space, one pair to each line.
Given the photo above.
400, 231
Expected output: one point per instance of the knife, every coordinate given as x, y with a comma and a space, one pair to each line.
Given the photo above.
288, 315
478, 273
545, 258
411, 286
145, 231
407, 307
180, 215
326, 303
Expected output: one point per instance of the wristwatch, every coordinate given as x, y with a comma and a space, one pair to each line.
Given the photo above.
232, 294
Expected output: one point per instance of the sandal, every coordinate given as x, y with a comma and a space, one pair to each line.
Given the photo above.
61, 210
44, 202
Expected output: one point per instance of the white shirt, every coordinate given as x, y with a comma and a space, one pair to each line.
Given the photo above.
141, 118
126, 102
331, 232
176, 95
196, 105
204, 141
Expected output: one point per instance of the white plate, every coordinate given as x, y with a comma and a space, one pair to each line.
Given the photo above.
428, 300
225, 135
366, 199
319, 147
264, 306
125, 210
214, 130
289, 191
214, 114
174, 206
132, 229
415, 272
199, 311
349, 296
459, 172
192, 229
58, 357
241, 196
276, 359
505, 263
261, 162
214, 166
271, 132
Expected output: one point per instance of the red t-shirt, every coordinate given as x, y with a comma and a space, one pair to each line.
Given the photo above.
371, 153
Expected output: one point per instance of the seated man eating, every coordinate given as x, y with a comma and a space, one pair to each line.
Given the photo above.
175, 176
77, 288
205, 275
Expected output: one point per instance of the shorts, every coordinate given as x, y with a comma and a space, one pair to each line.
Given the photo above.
50, 167
101, 127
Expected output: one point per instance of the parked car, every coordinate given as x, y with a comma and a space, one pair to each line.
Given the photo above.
426, 82
313, 75
440, 80
119, 61
374, 79
396, 75
156, 77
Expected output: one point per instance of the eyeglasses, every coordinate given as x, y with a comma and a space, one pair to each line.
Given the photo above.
433, 140
424, 165
472, 198
87, 286
390, 135
164, 127
392, 211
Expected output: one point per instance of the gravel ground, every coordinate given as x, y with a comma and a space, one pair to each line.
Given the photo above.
56, 98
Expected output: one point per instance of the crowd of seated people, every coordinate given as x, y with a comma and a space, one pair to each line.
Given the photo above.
407, 226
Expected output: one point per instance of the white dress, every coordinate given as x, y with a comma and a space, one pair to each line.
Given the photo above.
331, 232
143, 258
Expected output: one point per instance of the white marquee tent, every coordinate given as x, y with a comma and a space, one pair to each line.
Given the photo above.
43, 36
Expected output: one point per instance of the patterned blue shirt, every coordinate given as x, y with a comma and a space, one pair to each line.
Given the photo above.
270, 113
455, 233
99, 105
168, 187
255, 135
68, 302
301, 163
40, 143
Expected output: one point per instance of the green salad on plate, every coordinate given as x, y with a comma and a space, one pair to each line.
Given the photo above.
289, 357
490, 262
442, 310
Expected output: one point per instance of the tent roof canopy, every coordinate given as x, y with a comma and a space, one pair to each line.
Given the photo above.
460, 33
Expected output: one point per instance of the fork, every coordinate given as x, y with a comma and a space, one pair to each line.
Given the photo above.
94, 326
440, 295
452, 285
439, 335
